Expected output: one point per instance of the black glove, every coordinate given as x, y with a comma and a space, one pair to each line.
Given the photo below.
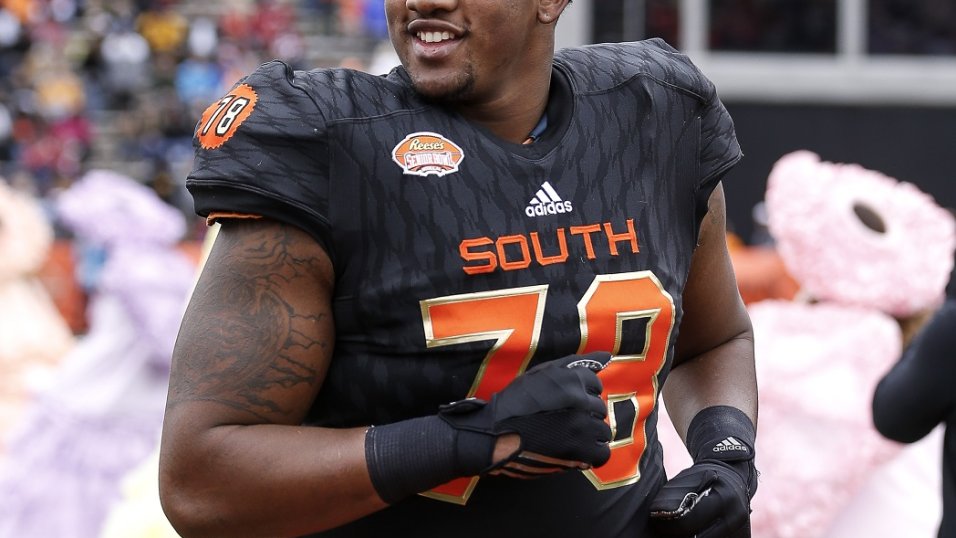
711, 499
555, 408
707, 500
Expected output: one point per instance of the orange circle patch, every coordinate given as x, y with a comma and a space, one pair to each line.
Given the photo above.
222, 118
425, 153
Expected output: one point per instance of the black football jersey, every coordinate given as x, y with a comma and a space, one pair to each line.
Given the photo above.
462, 259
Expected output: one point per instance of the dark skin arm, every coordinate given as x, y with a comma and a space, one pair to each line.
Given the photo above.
714, 357
253, 351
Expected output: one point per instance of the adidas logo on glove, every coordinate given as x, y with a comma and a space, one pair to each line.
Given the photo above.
729, 445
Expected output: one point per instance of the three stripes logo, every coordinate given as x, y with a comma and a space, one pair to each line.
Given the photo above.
547, 202
730, 444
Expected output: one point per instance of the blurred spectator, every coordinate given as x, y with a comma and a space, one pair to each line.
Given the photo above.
236, 23
198, 80
46, 157
203, 38
22, 9
6, 130
325, 12
125, 56
271, 19
12, 42
163, 27
375, 24
351, 16
290, 47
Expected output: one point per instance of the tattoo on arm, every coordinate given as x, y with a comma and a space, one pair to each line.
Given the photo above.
255, 330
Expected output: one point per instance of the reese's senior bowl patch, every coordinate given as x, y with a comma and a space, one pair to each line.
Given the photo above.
222, 118
425, 153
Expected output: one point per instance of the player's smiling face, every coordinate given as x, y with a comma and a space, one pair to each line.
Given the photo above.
465, 50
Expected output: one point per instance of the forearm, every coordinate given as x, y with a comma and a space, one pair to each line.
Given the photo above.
711, 398
264, 480
724, 375
714, 353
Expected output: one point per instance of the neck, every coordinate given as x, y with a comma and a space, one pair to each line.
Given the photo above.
511, 123
516, 109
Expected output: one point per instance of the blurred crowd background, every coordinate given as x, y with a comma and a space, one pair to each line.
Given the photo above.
119, 84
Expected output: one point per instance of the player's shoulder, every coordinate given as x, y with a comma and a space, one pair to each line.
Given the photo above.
336, 93
603, 67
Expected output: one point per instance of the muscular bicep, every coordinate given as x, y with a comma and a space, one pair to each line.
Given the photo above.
257, 335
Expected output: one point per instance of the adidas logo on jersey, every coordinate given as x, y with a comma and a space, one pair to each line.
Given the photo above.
547, 202
729, 445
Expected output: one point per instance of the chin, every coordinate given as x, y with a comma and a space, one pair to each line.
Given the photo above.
445, 90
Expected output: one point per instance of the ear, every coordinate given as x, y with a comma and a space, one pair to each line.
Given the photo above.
550, 10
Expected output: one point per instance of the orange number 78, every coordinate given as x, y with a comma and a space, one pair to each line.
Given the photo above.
512, 318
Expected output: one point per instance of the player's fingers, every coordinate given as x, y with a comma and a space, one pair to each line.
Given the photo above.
587, 377
534, 457
596, 407
532, 470
505, 472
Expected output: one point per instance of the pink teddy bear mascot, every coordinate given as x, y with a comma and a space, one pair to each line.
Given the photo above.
853, 239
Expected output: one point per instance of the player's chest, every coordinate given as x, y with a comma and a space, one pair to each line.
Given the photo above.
426, 186
432, 175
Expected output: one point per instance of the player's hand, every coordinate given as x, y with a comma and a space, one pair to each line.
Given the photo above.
555, 410
525, 465
707, 500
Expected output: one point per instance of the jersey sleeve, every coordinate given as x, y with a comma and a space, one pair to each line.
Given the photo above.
719, 152
719, 149
916, 394
262, 150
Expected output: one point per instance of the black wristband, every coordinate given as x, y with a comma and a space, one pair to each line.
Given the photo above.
416, 455
725, 434
721, 433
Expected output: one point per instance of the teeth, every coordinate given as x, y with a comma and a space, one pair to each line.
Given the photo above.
434, 37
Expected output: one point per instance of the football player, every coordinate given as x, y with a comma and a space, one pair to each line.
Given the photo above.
445, 301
